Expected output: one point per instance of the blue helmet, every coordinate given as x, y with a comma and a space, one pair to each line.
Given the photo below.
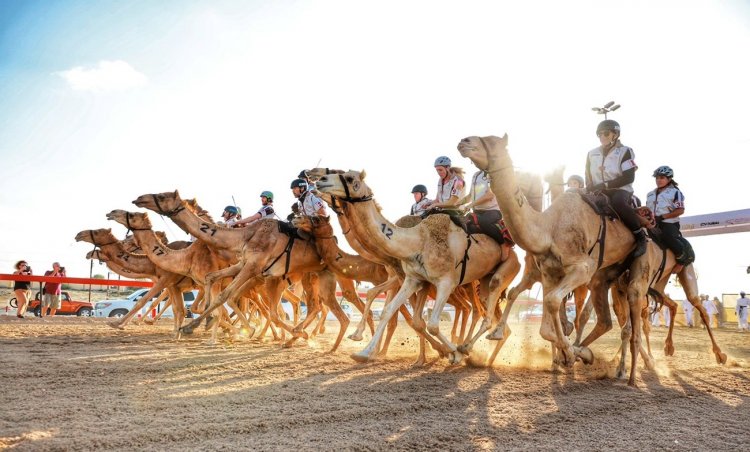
232, 209
665, 171
442, 161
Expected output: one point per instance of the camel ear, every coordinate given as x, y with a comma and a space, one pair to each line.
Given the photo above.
176, 193
362, 175
504, 139
109, 230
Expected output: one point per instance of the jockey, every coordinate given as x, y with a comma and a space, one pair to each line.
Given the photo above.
610, 169
308, 203
484, 207
265, 211
230, 215
450, 185
668, 203
420, 200
575, 184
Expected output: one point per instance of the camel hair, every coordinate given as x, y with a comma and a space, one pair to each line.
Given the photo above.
233, 240
433, 252
130, 265
559, 239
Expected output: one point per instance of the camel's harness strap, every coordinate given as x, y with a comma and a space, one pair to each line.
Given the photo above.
288, 252
163, 212
600, 240
660, 272
463, 262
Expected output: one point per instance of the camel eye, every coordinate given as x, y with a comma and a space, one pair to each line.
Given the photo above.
349, 179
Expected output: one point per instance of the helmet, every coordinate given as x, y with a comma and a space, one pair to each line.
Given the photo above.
268, 195
419, 189
442, 161
302, 174
232, 209
664, 171
301, 183
608, 124
576, 177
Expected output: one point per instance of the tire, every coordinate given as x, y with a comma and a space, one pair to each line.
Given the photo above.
13, 302
38, 311
118, 313
84, 312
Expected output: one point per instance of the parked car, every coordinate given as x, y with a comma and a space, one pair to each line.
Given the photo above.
68, 306
121, 306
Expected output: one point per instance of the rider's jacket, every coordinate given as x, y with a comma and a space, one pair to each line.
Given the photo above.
665, 201
601, 168
480, 184
453, 187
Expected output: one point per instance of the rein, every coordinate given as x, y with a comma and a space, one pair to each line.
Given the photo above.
165, 213
348, 197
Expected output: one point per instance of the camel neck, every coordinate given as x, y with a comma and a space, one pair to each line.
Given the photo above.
521, 219
131, 263
381, 234
157, 252
212, 234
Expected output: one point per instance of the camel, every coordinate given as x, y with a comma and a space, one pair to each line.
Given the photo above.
435, 251
563, 240
121, 261
361, 243
231, 240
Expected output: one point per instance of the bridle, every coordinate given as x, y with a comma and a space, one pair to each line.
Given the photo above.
171, 213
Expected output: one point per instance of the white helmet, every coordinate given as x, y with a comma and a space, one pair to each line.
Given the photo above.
442, 161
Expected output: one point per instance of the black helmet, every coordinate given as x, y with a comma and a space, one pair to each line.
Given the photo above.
419, 189
301, 183
608, 124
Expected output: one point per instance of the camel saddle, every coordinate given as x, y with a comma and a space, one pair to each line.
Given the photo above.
470, 225
688, 255
600, 203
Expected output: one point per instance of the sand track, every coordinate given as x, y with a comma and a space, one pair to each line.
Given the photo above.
87, 386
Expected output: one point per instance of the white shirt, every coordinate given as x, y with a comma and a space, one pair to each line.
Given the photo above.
309, 204
453, 187
266, 211
709, 306
744, 301
604, 169
669, 199
419, 207
480, 184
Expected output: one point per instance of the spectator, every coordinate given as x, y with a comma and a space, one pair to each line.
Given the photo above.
722, 316
710, 308
22, 289
743, 305
52, 291
687, 307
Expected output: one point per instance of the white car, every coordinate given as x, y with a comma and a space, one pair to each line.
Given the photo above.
121, 306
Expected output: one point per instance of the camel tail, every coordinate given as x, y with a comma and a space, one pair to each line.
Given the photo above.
658, 299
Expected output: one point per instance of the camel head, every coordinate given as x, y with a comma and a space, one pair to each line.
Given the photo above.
348, 186
167, 203
303, 222
555, 177
482, 150
316, 173
132, 220
99, 237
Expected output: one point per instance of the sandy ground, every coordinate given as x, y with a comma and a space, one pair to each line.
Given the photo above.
76, 384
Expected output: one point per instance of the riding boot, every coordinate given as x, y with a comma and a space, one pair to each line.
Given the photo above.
640, 243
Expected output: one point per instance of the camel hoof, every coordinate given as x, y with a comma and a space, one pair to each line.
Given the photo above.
721, 358
116, 325
418, 363
649, 363
360, 357
187, 329
356, 337
669, 350
621, 374
148, 321
586, 355
289, 343
496, 335
300, 334
464, 348
455, 357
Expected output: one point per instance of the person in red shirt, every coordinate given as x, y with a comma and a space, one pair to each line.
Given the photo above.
52, 291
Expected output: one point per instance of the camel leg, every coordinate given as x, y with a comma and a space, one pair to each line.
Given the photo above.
444, 289
150, 320
158, 287
320, 326
668, 344
327, 284
551, 328
579, 296
635, 295
504, 276
408, 288
688, 280
372, 293
392, 325
598, 299
350, 294
582, 319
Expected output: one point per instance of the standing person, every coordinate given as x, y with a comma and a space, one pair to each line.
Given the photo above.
710, 308
721, 316
22, 289
308, 203
610, 169
420, 200
667, 203
230, 216
265, 211
451, 186
52, 291
688, 308
741, 309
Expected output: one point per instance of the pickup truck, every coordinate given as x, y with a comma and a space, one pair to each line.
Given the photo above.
68, 306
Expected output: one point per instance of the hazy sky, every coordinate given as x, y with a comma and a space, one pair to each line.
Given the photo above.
103, 101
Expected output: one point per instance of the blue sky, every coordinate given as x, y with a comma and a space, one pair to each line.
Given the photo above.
104, 101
